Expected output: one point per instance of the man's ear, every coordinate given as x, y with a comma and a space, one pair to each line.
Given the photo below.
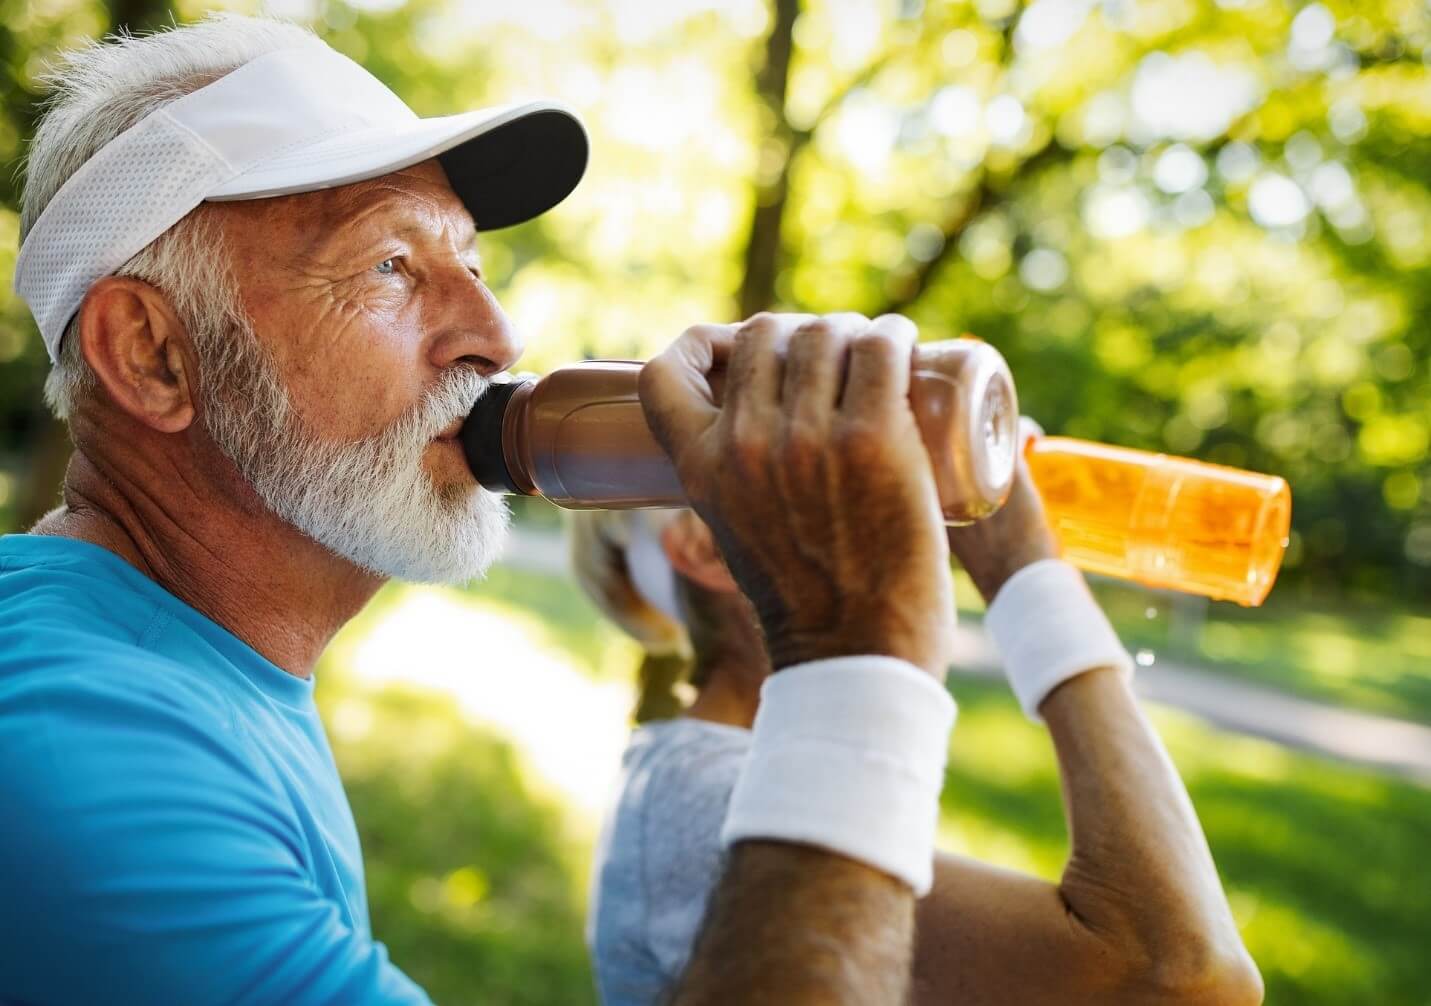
136, 346
691, 549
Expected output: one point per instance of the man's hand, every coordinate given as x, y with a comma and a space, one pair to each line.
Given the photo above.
1017, 535
813, 479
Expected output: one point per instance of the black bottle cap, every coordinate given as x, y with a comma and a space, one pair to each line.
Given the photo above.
482, 437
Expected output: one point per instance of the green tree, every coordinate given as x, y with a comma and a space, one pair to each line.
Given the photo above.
1194, 226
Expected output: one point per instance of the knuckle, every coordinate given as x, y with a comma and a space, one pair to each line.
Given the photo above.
848, 320
750, 340
861, 440
802, 444
814, 338
749, 445
898, 325
816, 328
874, 342
763, 321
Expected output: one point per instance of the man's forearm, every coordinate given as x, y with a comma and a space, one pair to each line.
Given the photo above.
1140, 870
792, 924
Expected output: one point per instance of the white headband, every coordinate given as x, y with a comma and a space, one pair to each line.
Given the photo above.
293, 120
646, 562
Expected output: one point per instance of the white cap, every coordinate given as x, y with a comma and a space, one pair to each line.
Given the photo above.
293, 120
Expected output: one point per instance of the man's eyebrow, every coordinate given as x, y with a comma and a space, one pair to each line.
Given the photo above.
410, 215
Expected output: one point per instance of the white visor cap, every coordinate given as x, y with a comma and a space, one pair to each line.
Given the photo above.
293, 120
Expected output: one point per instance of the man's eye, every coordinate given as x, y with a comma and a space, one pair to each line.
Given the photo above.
386, 267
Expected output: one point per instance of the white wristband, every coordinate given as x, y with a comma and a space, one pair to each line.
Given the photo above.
1048, 628
848, 755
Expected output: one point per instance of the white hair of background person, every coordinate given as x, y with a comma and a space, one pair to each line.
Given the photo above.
371, 501
619, 561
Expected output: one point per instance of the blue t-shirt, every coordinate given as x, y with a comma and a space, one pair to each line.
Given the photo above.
172, 825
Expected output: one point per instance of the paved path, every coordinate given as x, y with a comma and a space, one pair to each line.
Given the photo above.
1394, 746
1390, 745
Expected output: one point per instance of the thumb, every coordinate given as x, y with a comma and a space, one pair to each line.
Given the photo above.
675, 389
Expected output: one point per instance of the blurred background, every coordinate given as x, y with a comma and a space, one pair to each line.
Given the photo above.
1191, 226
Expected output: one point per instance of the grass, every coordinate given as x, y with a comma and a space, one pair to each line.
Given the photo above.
477, 874
472, 879
1376, 659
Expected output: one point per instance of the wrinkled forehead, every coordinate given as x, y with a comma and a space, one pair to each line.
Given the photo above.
418, 200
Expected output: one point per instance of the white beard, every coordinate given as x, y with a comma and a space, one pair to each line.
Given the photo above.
370, 501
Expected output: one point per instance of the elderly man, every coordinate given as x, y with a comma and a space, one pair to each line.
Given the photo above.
254, 270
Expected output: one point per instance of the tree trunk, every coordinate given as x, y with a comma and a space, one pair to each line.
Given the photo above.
763, 248
135, 16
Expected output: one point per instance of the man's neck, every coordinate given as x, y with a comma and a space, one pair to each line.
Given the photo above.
263, 580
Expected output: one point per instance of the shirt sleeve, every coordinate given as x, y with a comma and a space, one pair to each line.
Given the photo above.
142, 855
682, 814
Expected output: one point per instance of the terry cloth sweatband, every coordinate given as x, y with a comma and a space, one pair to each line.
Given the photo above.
1048, 628
848, 755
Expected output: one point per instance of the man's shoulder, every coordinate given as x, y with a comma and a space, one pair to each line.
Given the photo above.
77, 640
79, 704
111, 720
78, 670
99, 752
54, 605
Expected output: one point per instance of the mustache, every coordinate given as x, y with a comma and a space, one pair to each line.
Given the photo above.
450, 399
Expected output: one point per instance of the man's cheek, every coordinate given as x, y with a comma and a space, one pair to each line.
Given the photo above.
353, 356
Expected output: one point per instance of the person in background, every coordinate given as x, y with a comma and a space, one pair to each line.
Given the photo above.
1139, 914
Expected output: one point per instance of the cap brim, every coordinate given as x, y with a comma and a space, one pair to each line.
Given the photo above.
507, 164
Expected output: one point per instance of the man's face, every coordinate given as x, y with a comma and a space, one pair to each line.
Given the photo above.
374, 335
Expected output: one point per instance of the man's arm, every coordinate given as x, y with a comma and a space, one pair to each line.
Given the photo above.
1139, 915
794, 924
817, 488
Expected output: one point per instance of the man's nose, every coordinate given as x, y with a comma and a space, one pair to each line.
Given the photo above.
474, 328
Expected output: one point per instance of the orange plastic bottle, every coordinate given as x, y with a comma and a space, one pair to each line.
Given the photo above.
1163, 521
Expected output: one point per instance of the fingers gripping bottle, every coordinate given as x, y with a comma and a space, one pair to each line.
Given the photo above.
579, 438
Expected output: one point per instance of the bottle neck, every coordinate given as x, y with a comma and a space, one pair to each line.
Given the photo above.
484, 436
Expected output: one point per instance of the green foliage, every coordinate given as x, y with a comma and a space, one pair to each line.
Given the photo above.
1250, 289
471, 880
1195, 226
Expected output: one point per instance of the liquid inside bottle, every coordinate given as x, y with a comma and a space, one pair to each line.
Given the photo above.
1163, 521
